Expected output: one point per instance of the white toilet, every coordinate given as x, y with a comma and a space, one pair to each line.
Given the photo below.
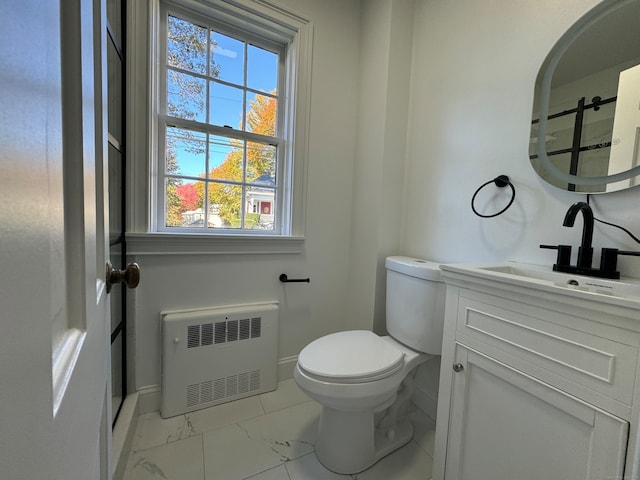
362, 380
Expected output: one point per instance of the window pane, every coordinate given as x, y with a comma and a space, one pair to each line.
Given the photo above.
185, 152
261, 114
114, 84
173, 209
260, 208
186, 45
190, 196
261, 164
185, 96
183, 201
116, 373
225, 104
262, 69
227, 58
115, 193
225, 158
226, 201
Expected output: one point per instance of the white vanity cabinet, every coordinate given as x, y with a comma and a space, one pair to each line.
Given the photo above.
536, 382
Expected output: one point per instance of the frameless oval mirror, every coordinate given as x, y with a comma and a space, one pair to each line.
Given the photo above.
585, 131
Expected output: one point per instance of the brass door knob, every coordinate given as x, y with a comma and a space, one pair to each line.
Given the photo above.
130, 276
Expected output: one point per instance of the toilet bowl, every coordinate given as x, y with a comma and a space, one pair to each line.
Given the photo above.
363, 380
348, 440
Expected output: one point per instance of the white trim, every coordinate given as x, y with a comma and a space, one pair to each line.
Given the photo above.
192, 244
285, 367
149, 399
64, 358
139, 92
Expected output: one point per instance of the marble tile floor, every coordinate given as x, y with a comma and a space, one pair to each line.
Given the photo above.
264, 437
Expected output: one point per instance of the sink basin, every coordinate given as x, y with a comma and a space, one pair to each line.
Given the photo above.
543, 275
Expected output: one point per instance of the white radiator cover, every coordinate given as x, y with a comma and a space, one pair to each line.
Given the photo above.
216, 355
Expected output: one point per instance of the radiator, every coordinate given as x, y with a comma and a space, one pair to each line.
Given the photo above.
216, 355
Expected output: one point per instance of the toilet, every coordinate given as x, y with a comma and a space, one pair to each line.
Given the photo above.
364, 381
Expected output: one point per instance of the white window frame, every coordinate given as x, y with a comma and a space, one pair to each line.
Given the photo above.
264, 19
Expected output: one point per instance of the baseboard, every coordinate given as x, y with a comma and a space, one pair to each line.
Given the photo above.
150, 399
123, 433
285, 367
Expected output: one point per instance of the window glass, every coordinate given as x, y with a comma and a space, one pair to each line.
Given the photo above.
261, 114
185, 152
262, 69
227, 58
186, 45
226, 158
185, 96
220, 131
225, 105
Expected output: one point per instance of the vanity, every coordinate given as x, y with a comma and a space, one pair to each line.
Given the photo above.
540, 367
540, 376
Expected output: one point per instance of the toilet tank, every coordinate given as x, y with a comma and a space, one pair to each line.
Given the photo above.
415, 303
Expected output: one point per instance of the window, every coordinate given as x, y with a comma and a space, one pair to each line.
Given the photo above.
229, 95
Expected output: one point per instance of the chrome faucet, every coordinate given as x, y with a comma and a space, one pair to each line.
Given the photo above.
585, 252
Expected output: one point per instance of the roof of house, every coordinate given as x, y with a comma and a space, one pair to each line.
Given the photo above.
265, 180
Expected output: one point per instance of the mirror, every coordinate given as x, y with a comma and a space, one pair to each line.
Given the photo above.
585, 129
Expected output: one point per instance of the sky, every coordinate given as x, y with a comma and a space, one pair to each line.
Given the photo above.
225, 101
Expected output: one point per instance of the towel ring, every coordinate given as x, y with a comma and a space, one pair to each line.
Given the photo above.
500, 181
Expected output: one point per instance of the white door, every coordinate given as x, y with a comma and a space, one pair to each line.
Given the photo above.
506, 425
54, 343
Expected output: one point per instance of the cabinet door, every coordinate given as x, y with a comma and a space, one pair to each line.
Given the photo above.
506, 425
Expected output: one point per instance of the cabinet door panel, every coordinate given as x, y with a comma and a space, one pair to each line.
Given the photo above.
507, 425
549, 346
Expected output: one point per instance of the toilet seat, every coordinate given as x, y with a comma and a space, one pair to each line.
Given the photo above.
355, 356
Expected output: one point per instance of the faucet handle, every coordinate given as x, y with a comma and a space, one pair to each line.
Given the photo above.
625, 252
564, 254
609, 260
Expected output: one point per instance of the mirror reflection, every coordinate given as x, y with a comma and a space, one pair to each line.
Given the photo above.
585, 131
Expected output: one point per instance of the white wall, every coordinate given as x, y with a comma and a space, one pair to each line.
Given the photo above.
307, 310
378, 182
474, 68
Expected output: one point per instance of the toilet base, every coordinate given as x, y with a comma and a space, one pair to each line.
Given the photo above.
349, 443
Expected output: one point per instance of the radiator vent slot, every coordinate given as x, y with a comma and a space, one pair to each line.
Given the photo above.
193, 336
217, 355
256, 327
221, 388
223, 332
207, 334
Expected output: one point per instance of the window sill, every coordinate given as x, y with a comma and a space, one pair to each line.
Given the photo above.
192, 244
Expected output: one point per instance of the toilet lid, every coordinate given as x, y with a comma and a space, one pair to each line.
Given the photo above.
355, 354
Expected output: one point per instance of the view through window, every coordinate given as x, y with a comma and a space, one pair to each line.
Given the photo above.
219, 131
